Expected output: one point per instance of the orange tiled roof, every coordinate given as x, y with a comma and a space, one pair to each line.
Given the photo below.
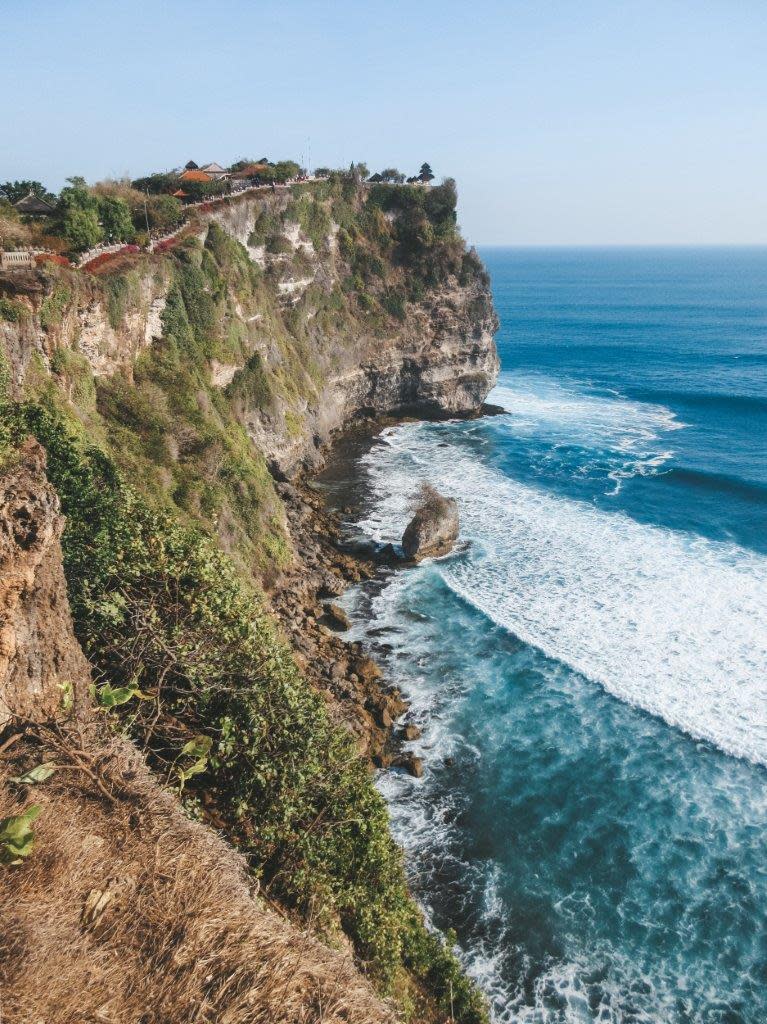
252, 170
195, 176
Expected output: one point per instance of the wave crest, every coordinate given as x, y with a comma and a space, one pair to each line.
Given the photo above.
668, 622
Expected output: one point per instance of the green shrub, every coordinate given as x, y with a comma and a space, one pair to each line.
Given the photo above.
164, 213
266, 225
394, 304
279, 244
76, 371
12, 310
53, 305
122, 293
115, 219
312, 215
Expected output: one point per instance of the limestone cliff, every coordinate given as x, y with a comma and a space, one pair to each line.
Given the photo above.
41, 664
328, 322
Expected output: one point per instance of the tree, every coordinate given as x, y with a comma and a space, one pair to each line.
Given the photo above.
440, 203
283, 170
157, 184
200, 190
164, 213
391, 174
81, 228
78, 215
425, 174
16, 190
322, 172
115, 218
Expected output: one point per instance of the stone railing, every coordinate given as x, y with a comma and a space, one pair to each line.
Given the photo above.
17, 260
98, 250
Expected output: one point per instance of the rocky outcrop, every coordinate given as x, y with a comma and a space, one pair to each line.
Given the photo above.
433, 530
440, 362
62, 311
42, 669
291, 338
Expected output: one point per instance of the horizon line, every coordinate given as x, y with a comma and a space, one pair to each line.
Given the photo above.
620, 245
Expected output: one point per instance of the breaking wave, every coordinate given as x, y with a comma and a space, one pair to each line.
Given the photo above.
668, 622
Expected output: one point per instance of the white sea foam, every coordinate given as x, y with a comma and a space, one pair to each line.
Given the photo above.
553, 407
622, 437
671, 623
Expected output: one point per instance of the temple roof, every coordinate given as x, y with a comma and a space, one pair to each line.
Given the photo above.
33, 204
194, 175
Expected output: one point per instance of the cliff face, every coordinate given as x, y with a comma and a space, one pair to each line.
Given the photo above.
326, 317
41, 664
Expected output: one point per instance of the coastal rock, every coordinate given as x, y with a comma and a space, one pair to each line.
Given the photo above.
411, 764
433, 530
367, 669
386, 555
335, 617
38, 654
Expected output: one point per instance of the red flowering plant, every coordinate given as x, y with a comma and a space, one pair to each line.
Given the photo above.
52, 257
98, 261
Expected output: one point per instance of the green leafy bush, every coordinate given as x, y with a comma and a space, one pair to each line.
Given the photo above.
163, 213
12, 310
77, 216
115, 219
53, 305
279, 244
122, 293
312, 215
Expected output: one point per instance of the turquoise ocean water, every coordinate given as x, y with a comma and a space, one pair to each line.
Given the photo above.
590, 667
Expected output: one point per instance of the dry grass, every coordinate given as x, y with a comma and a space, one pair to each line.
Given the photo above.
13, 233
128, 913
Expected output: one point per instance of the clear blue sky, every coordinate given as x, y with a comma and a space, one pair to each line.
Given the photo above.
592, 122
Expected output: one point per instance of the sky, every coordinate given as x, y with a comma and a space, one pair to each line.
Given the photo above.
597, 122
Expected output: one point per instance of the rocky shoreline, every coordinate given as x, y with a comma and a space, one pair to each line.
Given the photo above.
304, 600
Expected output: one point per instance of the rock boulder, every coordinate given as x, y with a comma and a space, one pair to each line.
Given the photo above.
433, 530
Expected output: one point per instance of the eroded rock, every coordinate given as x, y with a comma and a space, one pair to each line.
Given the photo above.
433, 530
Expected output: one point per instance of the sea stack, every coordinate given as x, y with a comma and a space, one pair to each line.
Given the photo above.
433, 530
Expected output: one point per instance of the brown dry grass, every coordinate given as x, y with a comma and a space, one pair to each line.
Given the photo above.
128, 913
13, 234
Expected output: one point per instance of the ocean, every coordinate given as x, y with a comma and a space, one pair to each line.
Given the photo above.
589, 667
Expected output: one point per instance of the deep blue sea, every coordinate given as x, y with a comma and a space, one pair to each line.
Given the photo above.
590, 667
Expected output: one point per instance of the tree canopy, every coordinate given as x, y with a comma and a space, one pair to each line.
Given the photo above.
16, 190
78, 215
116, 222
391, 174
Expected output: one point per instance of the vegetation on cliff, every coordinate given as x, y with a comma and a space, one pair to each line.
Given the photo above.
165, 418
161, 611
